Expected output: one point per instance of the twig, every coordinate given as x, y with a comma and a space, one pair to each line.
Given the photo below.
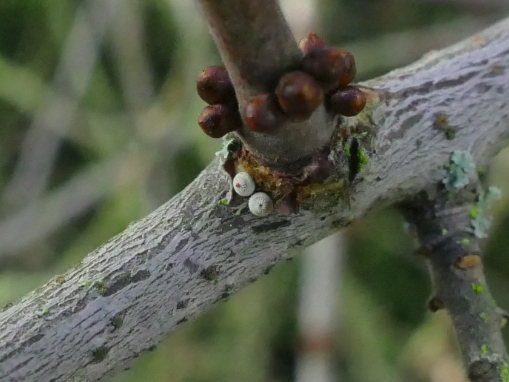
448, 238
131, 61
321, 278
257, 47
24, 89
475, 4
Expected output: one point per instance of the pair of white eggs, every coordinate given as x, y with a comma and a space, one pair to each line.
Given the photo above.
260, 204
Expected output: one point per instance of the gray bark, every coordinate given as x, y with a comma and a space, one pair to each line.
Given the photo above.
128, 295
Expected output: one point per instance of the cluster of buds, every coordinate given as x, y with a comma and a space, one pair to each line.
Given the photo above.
325, 75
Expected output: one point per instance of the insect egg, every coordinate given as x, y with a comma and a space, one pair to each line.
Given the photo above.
243, 184
260, 204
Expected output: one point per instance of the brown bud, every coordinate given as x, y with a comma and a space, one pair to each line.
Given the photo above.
331, 66
299, 95
310, 42
218, 120
348, 101
261, 113
214, 85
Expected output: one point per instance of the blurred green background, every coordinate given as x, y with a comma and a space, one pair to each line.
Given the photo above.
98, 127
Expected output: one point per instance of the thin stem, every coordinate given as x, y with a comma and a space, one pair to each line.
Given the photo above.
257, 47
454, 258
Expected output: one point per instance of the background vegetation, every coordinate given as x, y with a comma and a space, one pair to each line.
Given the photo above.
98, 128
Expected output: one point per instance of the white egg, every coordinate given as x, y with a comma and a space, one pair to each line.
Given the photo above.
260, 204
243, 184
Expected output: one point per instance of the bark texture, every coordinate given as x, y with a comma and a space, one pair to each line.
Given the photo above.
193, 251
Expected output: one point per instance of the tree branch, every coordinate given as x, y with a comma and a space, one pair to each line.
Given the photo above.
449, 239
193, 251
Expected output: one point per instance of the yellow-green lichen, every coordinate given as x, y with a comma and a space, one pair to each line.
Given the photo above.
42, 313
363, 159
346, 148
484, 349
465, 242
59, 279
504, 372
321, 197
477, 288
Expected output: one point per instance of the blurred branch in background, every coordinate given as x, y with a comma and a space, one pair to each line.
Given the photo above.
131, 59
45, 215
391, 50
492, 5
430, 352
321, 278
39, 149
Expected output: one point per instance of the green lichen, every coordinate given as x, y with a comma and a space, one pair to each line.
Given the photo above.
465, 242
481, 221
224, 153
484, 349
87, 283
481, 225
484, 317
459, 169
474, 212
363, 159
346, 148
445, 231
43, 312
477, 288
223, 201
504, 372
